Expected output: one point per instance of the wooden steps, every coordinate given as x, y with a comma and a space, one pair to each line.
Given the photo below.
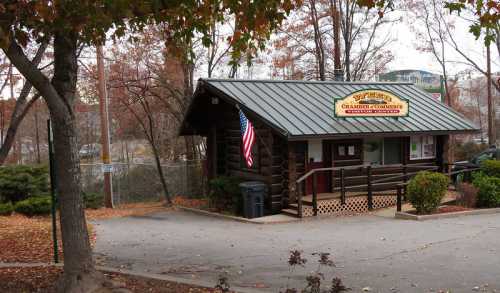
290, 212
293, 209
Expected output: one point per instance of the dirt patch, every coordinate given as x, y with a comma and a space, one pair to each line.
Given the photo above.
42, 279
452, 209
444, 209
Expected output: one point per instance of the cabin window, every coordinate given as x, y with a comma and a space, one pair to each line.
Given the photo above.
315, 150
422, 147
347, 151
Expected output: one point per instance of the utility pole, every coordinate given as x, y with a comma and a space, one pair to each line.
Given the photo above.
107, 167
491, 107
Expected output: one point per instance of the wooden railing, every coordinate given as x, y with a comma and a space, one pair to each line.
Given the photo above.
390, 182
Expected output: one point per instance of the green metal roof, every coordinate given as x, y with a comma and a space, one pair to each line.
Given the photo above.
305, 108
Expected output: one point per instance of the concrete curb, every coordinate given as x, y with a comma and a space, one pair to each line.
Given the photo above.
197, 283
408, 216
234, 218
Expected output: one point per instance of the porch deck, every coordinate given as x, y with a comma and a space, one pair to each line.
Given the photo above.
331, 203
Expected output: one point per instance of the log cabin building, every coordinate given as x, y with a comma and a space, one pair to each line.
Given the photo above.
321, 146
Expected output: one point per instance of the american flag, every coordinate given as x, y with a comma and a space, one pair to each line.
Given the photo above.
248, 138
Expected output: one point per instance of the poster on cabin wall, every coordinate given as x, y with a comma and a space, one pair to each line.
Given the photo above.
371, 103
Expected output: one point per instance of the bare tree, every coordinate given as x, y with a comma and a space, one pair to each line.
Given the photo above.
22, 106
309, 36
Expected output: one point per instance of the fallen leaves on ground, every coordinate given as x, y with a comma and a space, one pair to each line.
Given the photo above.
139, 284
42, 279
25, 239
189, 202
32, 279
133, 209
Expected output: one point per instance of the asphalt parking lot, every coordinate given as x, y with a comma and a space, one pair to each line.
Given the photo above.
376, 253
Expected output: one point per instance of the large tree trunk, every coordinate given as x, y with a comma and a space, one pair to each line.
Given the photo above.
79, 272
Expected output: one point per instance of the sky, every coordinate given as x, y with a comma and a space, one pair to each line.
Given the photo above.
408, 57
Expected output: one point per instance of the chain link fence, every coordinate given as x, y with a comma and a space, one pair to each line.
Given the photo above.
140, 182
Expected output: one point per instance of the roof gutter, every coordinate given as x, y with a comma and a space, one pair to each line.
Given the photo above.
378, 134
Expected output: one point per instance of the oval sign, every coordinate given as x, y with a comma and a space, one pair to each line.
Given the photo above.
371, 103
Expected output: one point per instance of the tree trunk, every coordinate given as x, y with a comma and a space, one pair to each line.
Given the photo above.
37, 135
79, 273
20, 109
318, 41
160, 173
15, 121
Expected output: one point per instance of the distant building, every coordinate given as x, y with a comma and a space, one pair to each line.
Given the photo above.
425, 80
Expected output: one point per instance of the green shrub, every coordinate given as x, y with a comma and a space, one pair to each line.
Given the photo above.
491, 168
488, 195
6, 209
93, 200
37, 205
225, 194
426, 190
21, 182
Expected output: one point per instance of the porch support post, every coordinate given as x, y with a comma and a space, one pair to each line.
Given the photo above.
315, 194
369, 186
444, 153
292, 173
398, 198
342, 186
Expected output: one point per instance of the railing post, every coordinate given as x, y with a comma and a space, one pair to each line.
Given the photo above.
342, 186
315, 194
369, 187
405, 173
299, 199
332, 190
442, 167
398, 198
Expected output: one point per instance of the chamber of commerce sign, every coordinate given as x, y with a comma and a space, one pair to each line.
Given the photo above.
371, 103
